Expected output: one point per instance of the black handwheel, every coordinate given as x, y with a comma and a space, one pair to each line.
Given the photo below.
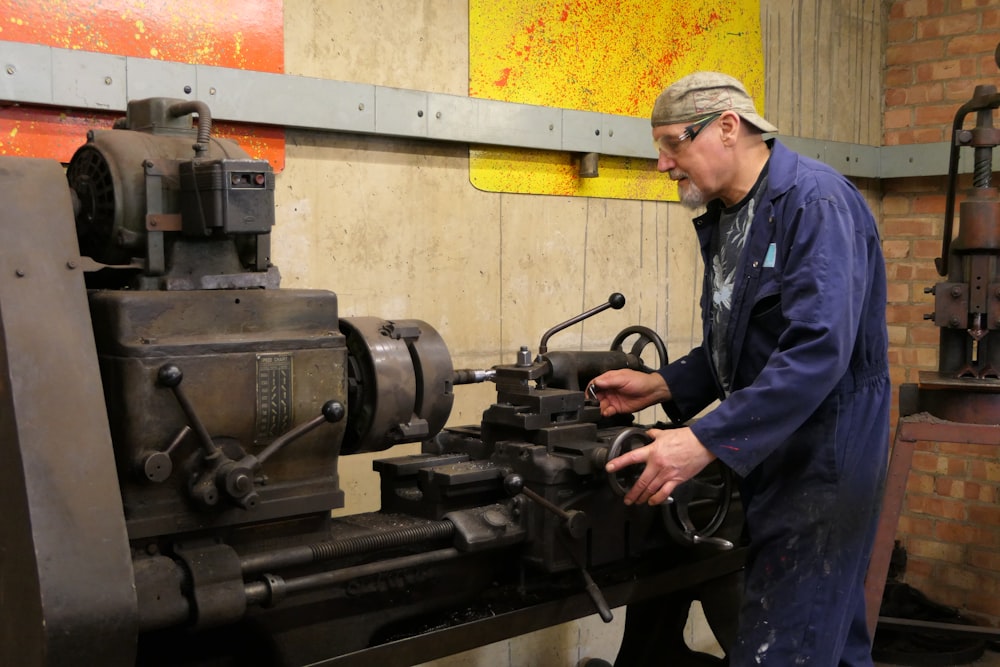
630, 438
644, 338
689, 518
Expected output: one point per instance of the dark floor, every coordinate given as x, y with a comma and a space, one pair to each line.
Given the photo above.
990, 659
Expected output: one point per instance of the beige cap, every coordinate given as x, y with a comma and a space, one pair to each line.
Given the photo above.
702, 93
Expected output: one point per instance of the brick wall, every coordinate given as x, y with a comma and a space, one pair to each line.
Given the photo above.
936, 52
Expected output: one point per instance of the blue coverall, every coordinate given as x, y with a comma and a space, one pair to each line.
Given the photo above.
805, 426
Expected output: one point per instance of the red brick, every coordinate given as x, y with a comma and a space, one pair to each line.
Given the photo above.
911, 524
988, 470
955, 533
909, 314
922, 93
918, 483
984, 514
921, 271
901, 75
898, 335
959, 91
961, 489
968, 450
916, 8
930, 203
937, 114
986, 582
926, 249
925, 335
940, 507
894, 354
960, 578
950, 553
895, 97
972, 44
894, 139
953, 24
917, 185
895, 205
897, 270
928, 273
987, 537
987, 67
985, 559
898, 293
918, 568
908, 137
946, 69
908, 227
907, 8
987, 603
963, 5
895, 118
911, 53
901, 31
895, 249
921, 357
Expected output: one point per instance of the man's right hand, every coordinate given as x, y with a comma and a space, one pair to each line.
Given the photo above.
626, 390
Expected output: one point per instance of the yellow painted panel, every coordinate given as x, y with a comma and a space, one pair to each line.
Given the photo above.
612, 56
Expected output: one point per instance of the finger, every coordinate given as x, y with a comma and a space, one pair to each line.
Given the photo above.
638, 493
649, 482
663, 494
627, 459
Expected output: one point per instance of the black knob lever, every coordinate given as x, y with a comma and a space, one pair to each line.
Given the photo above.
332, 411
576, 524
616, 301
170, 376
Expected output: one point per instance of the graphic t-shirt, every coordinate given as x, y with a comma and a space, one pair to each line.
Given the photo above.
727, 246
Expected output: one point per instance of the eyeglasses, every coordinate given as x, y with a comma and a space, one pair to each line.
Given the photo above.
669, 146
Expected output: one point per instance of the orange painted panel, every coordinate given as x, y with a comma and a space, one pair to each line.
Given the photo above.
244, 35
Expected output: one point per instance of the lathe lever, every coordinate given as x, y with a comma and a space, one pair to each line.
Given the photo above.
332, 411
576, 524
170, 376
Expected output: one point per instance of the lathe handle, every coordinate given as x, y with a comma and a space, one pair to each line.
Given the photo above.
332, 411
576, 524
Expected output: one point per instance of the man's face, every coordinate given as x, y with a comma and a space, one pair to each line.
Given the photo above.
683, 157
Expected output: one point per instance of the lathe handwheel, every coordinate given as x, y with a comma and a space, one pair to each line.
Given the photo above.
623, 480
692, 500
645, 338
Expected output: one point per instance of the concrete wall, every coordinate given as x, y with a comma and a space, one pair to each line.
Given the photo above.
395, 228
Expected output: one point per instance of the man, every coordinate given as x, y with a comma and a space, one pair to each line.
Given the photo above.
795, 346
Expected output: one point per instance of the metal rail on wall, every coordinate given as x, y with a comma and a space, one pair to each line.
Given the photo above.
32, 74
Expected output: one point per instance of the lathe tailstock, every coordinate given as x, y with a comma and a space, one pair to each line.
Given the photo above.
171, 422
